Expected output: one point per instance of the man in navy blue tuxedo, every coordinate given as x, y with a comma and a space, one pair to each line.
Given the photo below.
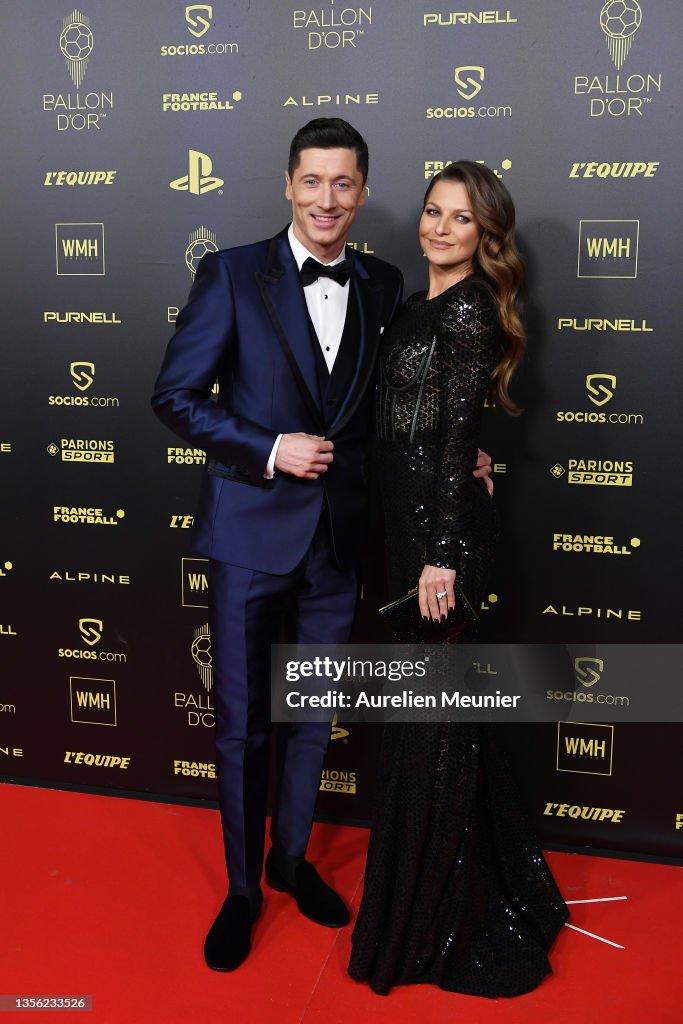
290, 328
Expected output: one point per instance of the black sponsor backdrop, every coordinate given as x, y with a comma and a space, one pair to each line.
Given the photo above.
531, 89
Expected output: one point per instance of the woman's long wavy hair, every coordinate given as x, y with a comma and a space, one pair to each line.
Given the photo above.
498, 260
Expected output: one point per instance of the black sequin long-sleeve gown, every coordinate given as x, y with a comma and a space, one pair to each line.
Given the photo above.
457, 892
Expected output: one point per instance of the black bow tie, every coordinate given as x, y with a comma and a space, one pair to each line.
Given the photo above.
312, 270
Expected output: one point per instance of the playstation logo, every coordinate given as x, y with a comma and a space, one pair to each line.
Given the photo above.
199, 179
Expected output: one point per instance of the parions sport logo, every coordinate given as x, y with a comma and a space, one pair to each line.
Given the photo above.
77, 449
335, 781
595, 472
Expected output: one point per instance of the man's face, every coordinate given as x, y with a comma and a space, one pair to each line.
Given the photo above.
325, 190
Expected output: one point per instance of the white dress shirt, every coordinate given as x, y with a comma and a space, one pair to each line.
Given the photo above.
326, 301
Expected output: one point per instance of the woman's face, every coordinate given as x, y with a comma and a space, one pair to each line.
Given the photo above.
449, 231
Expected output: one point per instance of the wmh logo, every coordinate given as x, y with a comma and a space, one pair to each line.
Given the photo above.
584, 748
608, 248
93, 701
79, 249
194, 583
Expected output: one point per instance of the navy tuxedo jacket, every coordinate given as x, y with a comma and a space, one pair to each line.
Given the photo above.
246, 326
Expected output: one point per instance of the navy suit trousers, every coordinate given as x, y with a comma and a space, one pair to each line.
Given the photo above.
246, 611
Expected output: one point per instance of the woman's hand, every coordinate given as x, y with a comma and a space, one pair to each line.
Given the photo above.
434, 581
483, 469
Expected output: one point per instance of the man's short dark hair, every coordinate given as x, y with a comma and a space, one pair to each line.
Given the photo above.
329, 133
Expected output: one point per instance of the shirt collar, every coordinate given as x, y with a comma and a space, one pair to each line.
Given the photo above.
301, 253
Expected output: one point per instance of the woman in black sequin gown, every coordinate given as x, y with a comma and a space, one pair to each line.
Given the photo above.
457, 892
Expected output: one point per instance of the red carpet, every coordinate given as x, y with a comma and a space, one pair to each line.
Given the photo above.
111, 897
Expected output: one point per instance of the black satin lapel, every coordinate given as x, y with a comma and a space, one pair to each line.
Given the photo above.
369, 298
284, 299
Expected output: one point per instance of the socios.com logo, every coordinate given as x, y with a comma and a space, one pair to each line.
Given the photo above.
620, 20
76, 44
91, 630
588, 670
199, 179
468, 79
82, 374
197, 24
601, 387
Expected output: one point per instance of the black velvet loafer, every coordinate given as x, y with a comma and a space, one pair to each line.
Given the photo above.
229, 940
315, 899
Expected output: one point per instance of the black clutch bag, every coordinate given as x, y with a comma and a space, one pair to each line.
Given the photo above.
404, 618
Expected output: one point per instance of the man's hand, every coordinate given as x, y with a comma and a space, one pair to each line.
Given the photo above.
304, 455
483, 470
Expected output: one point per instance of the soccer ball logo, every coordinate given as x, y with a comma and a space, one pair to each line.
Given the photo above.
76, 41
201, 241
76, 44
201, 652
620, 20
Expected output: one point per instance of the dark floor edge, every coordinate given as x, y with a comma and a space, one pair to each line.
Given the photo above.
325, 819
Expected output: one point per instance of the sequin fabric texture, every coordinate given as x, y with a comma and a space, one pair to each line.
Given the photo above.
435, 366
457, 892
